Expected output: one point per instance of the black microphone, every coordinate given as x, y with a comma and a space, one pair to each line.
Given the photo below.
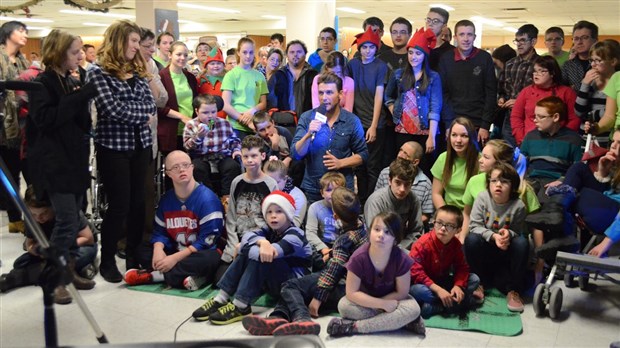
320, 110
15, 85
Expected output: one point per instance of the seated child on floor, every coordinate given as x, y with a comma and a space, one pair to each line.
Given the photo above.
210, 139
496, 248
278, 171
274, 141
188, 223
440, 274
321, 229
301, 298
377, 290
28, 267
266, 258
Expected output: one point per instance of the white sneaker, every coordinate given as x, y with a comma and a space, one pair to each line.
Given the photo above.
193, 283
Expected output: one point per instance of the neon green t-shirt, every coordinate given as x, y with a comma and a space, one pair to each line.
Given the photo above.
478, 183
561, 59
247, 86
184, 97
453, 193
612, 90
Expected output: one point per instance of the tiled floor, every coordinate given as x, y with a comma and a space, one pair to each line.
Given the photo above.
589, 319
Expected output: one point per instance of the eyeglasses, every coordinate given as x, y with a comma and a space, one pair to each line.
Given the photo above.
178, 167
521, 41
540, 72
402, 32
327, 38
503, 182
147, 47
595, 61
554, 39
581, 38
433, 21
541, 117
449, 227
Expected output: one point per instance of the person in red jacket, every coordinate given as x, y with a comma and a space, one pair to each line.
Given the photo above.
435, 254
547, 82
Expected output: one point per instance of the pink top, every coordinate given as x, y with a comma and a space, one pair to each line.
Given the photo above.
522, 116
348, 88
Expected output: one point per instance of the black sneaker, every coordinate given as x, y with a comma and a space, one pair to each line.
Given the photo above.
259, 326
340, 327
110, 272
229, 314
209, 307
298, 328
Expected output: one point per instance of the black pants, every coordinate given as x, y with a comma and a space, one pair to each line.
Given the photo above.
122, 175
11, 159
229, 169
368, 173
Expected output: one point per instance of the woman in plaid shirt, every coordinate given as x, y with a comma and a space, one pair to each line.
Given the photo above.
125, 107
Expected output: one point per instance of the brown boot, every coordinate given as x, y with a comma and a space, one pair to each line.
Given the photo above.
62, 295
80, 282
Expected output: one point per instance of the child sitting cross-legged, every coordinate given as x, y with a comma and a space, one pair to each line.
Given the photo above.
377, 286
266, 258
436, 255
278, 171
301, 298
496, 248
209, 138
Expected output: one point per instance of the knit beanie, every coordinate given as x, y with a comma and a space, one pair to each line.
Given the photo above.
423, 40
282, 200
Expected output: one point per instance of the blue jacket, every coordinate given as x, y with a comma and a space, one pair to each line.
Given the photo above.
429, 103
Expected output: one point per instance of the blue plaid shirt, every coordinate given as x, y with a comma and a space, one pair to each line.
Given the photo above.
122, 111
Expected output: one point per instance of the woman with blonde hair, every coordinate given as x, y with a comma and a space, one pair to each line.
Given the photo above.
125, 107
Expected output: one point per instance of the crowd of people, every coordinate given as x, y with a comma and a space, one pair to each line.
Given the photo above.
415, 179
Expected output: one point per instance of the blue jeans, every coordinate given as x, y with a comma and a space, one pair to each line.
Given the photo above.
423, 294
85, 255
246, 279
506, 269
296, 295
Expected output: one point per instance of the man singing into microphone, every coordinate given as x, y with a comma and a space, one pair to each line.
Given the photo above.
329, 138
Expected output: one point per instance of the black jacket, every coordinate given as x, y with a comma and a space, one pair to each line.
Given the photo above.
57, 130
302, 89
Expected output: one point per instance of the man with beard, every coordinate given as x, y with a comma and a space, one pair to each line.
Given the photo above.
334, 143
294, 80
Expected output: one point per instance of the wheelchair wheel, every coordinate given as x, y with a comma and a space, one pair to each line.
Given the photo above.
569, 280
583, 280
537, 301
555, 303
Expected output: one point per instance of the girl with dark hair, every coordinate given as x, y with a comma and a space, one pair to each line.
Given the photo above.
377, 290
336, 63
414, 97
547, 82
125, 108
457, 165
13, 36
275, 58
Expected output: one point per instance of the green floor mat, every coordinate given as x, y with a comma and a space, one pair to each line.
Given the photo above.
493, 317
202, 293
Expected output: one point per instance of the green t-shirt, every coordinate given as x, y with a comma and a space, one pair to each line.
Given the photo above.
247, 86
478, 183
561, 59
160, 61
453, 193
612, 90
184, 97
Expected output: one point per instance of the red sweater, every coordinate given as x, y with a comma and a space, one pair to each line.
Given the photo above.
433, 260
205, 87
522, 116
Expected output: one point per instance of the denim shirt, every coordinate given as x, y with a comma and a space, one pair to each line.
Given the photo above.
429, 103
345, 138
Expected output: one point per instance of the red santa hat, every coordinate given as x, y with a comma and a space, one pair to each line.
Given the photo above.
368, 36
282, 200
214, 56
423, 40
